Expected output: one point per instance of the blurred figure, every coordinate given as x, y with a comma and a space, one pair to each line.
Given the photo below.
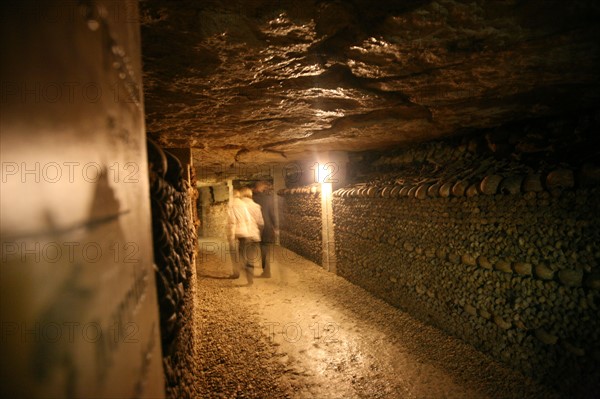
245, 223
256, 227
268, 238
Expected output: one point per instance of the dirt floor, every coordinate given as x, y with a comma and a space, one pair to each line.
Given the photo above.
307, 333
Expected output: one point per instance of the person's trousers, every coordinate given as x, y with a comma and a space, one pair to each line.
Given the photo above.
267, 252
248, 256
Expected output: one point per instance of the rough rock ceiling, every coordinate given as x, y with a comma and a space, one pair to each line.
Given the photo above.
270, 80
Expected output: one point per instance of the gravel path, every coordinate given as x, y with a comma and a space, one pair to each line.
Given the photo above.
307, 333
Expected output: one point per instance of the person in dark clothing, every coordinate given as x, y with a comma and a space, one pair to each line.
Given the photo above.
264, 198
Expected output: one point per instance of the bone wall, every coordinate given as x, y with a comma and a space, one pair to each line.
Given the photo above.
465, 265
173, 199
502, 254
300, 222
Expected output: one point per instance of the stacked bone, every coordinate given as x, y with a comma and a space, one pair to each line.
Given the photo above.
173, 252
174, 237
509, 262
300, 224
555, 183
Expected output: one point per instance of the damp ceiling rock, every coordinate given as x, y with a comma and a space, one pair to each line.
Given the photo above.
272, 80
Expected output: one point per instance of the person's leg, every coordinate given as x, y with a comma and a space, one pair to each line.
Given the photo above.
247, 260
266, 250
237, 257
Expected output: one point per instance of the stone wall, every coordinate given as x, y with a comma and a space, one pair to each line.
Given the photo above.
300, 222
214, 201
78, 303
503, 252
215, 220
173, 200
492, 270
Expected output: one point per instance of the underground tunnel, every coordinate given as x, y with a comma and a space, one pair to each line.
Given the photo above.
300, 199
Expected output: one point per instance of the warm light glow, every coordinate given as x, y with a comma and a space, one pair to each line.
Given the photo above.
322, 173
326, 190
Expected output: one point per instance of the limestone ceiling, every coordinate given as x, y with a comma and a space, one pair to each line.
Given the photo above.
270, 80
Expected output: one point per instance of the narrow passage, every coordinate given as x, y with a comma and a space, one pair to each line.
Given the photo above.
307, 333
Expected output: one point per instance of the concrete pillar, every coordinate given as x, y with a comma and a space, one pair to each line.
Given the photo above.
278, 184
204, 204
335, 176
327, 228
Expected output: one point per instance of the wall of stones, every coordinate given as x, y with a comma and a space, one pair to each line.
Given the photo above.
496, 271
214, 202
174, 234
504, 254
214, 223
300, 222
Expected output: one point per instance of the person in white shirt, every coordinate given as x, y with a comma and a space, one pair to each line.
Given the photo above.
245, 225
